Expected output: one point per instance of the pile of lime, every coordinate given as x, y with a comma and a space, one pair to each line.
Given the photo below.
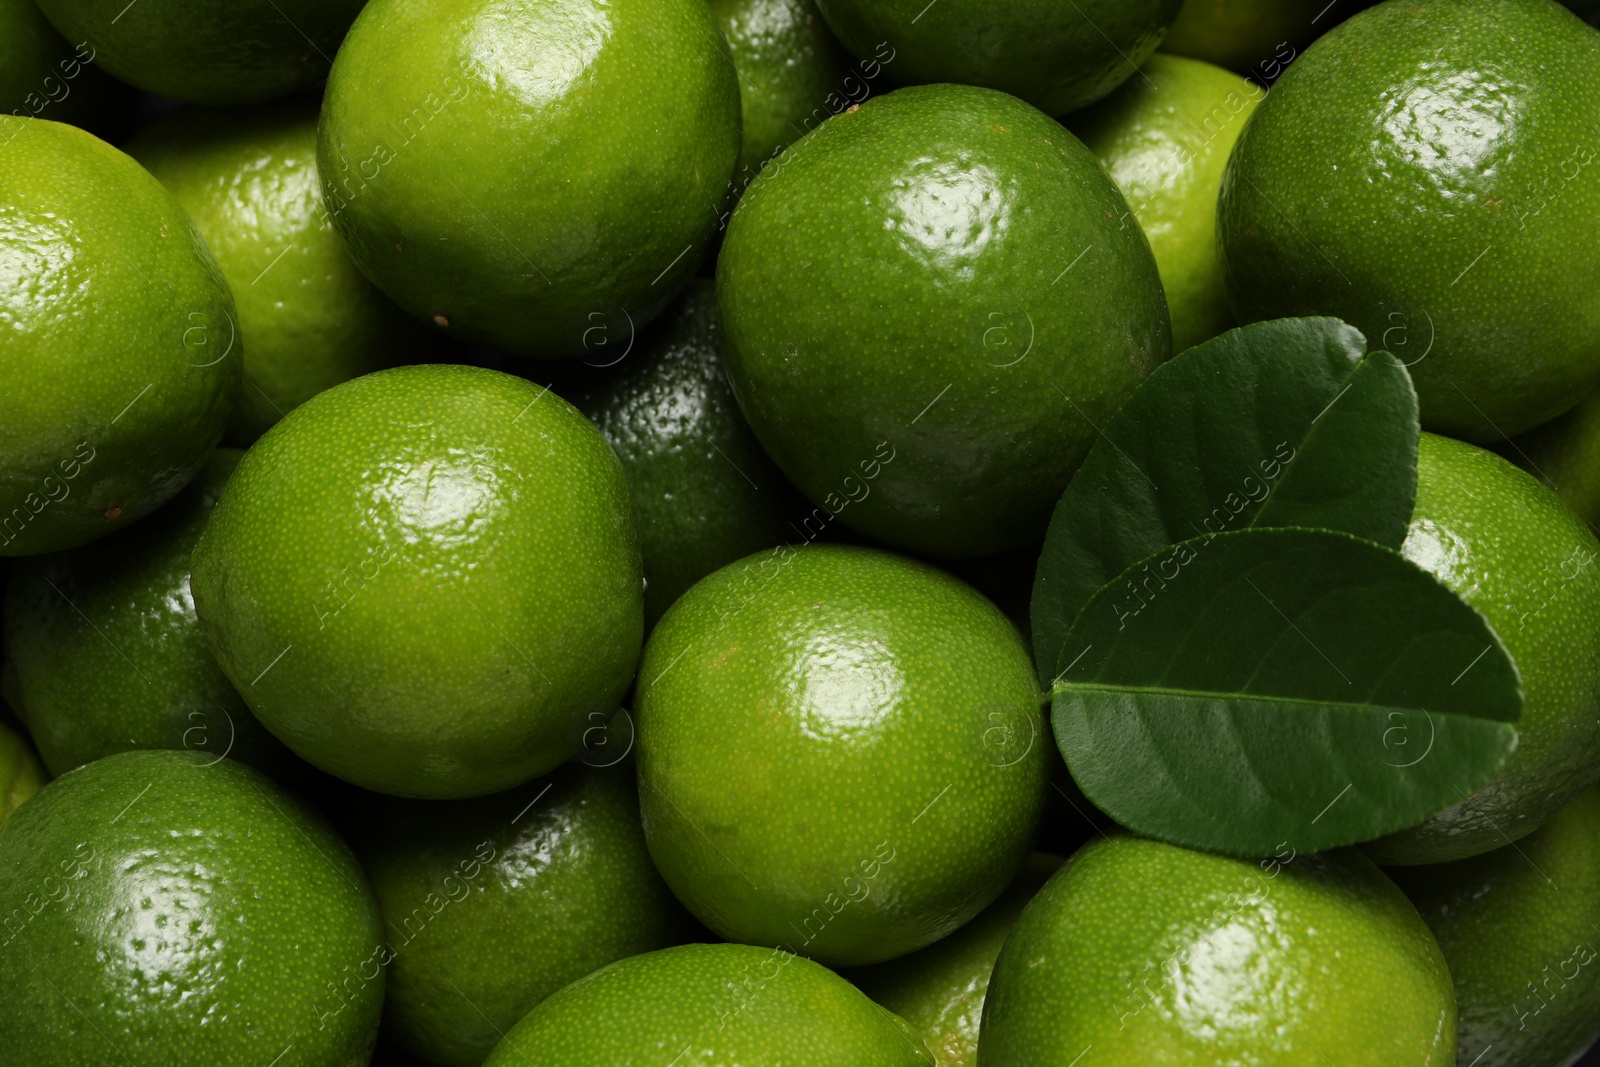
799, 533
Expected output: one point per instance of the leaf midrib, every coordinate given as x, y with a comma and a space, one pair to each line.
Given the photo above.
1189, 694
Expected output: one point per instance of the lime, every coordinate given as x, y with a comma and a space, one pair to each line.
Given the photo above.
1255, 38
493, 904
939, 990
1164, 138
1141, 952
1056, 58
43, 76
1423, 172
710, 1005
508, 171
121, 362
1565, 454
841, 752
425, 580
106, 652
1517, 926
793, 73
21, 775
308, 318
166, 908
704, 492
1511, 549
209, 51
928, 304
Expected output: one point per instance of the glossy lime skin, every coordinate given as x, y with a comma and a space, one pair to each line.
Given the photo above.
1517, 926
1511, 549
309, 319
939, 990
926, 305
426, 580
1422, 173
1255, 38
1564, 453
106, 650
120, 358
793, 73
704, 492
210, 51
493, 904
711, 1006
44, 76
1142, 952
1164, 138
840, 751
1056, 57
21, 774
178, 911
507, 170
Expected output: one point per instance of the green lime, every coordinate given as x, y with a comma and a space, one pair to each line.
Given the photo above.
21, 774
209, 51
1509, 547
309, 320
1565, 454
165, 908
106, 651
793, 73
121, 362
493, 904
1518, 928
1164, 138
939, 990
1143, 952
508, 171
710, 1005
1255, 38
841, 751
1056, 57
1424, 173
44, 76
928, 304
704, 492
426, 580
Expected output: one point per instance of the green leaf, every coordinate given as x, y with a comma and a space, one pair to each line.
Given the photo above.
1281, 423
1245, 690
